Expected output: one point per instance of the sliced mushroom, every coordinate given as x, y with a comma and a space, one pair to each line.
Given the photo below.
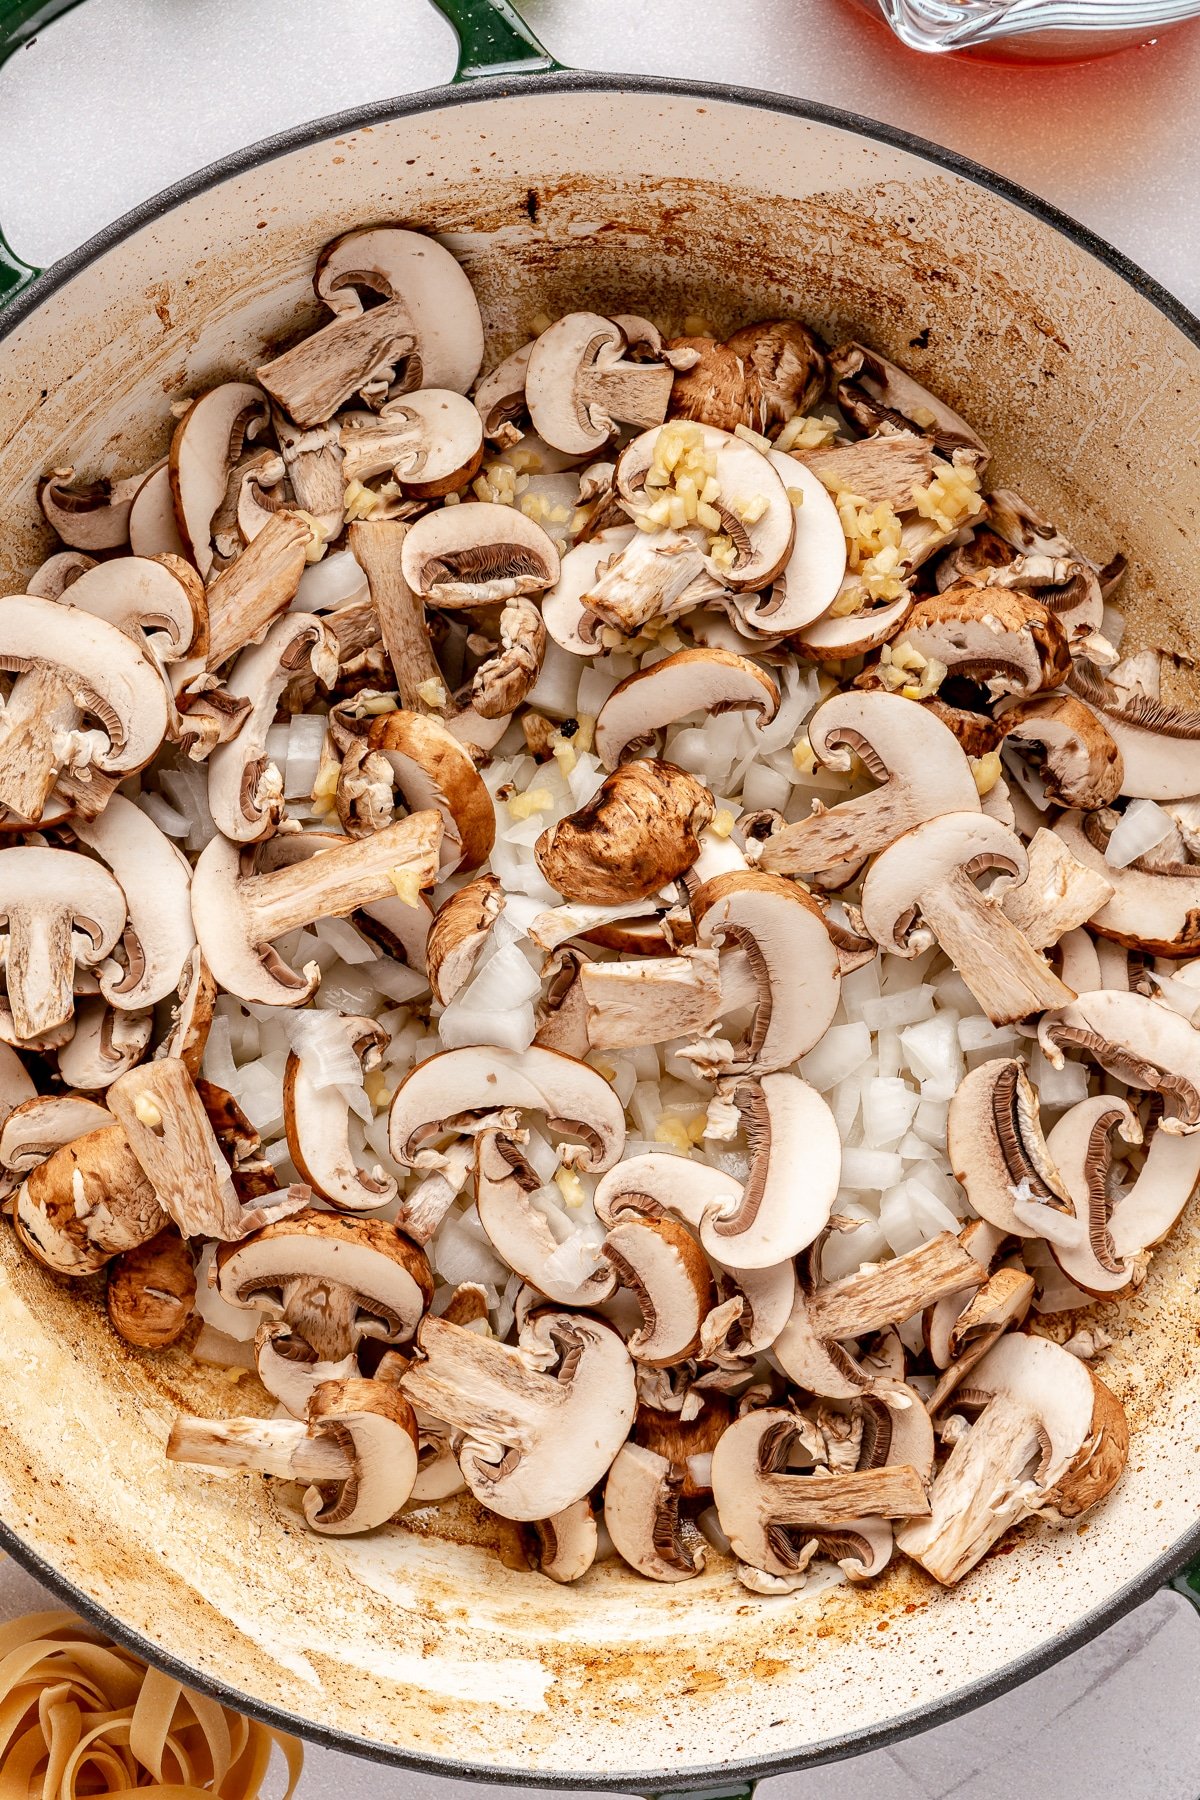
254, 589
1005, 642
238, 914
563, 1546
716, 387
152, 1291
792, 960
788, 1127
333, 1280
667, 1271
476, 555
103, 1045
1140, 1041
378, 549
153, 530
317, 1121
917, 758
687, 682
432, 769
931, 870
41, 1123
431, 442
500, 397
157, 600
312, 461
995, 1144
1076, 757
460, 929
289, 1368
59, 908
1159, 744
191, 1015
786, 362
87, 1202
637, 833
1051, 1439
207, 444
245, 788
641, 1512
533, 1443
451, 1091
874, 392
569, 622
650, 999
156, 879
1058, 894
833, 638
579, 384
519, 1230
811, 579
504, 680
93, 515
1153, 911
880, 470
59, 572
1081, 1145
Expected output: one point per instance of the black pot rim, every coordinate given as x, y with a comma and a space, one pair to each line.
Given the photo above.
1142, 1586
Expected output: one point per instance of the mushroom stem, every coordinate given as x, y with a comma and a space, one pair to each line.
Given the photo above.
401, 613
884, 1296
894, 1491
336, 881
40, 708
322, 1312
284, 1448
256, 587
1005, 973
40, 966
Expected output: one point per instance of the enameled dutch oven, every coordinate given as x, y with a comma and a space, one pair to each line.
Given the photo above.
556, 190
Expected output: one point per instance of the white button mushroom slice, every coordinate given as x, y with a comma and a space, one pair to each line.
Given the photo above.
639, 831
86, 1202
156, 878
880, 470
361, 1437
532, 1443
169, 1132
579, 384
158, 601
519, 1230
795, 1168
52, 578
1075, 755
103, 1045
66, 663
772, 1516
667, 1272
463, 556
908, 749
1154, 911
431, 442
456, 1089
570, 623
245, 788
43, 1123
687, 682
432, 769
563, 1546
1140, 1041
651, 999
238, 914
460, 929
317, 1123
641, 1512
831, 639
1159, 744
504, 680
1051, 1440
872, 390
333, 1280
1002, 1302
792, 958
1005, 642
500, 397
206, 445
415, 268
153, 530
92, 515
1059, 893
1081, 1145
811, 579
59, 908
931, 871
997, 1151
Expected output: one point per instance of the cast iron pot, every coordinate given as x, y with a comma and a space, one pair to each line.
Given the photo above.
417, 1645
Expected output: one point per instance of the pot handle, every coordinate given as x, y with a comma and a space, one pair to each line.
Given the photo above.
20, 22
1187, 1583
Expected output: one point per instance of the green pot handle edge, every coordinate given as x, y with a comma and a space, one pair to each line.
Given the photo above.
493, 39
1187, 1583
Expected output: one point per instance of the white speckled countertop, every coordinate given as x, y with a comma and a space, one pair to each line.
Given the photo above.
124, 96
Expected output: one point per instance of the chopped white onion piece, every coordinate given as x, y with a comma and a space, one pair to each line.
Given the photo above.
866, 1170
1140, 827
891, 1011
842, 1050
887, 1109
168, 818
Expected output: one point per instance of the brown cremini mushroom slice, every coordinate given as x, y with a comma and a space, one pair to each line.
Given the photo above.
153, 529
207, 444
505, 679
457, 1090
1153, 910
641, 1511
431, 443
499, 398
918, 760
156, 879
460, 929
433, 770
1081, 1145
579, 384
1075, 755
875, 392
832, 638
52, 578
519, 1231
239, 914
1000, 1304
317, 1122
563, 1546
1140, 1041
90, 515
776, 1520
789, 1128
532, 1442
1051, 1440
685, 1444
997, 1150
638, 832
191, 1013
290, 1369
152, 1291
333, 1280
104, 1043
378, 549
650, 999
245, 788
312, 461
1005, 642
1058, 894
714, 386
87, 1202
358, 1451
476, 555
59, 908
792, 959
880, 470
787, 362
931, 871
658, 1183
568, 620
688, 681
42, 1123
157, 600
667, 1271
1159, 744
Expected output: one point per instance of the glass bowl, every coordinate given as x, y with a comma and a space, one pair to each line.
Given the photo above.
1029, 30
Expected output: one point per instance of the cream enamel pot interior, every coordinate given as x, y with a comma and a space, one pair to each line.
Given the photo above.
417, 1644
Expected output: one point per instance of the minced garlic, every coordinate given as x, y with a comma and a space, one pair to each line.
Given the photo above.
811, 433
534, 800
358, 502
755, 438
325, 788
585, 733
145, 1109
407, 883
433, 692
377, 1090
723, 823
375, 704
903, 670
541, 321
696, 325
951, 498
672, 1130
986, 771
803, 758
314, 550
570, 1187
563, 752
868, 529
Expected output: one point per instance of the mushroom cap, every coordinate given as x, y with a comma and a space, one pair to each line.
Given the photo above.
374, 1424
1080, 764
995, 1144
519, 1231
639, 831
665, 1268
387, 1275
432, 769
207, 443
924, 858
578, 383
85, 1203
460, 929
870, 388
786, 360
480, 1079
658, 1183
830, 638
809, 582
566, 618
104, 1044
152, 1291
1005, 641
316, 1120
564, 1546
477, 553
792, 957
641, 1512
1147, 911
688, 681
436, 291
1081, 1145
156, 879
1138, 1040
788, 1127
160, 596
